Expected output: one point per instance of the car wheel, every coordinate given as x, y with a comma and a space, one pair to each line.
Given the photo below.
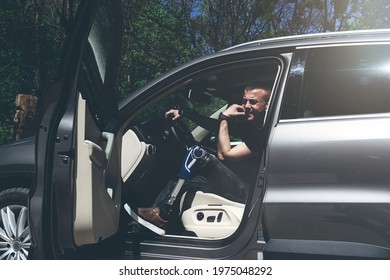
15, 239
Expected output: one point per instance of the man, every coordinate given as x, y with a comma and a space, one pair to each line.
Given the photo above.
213, 173
253, 107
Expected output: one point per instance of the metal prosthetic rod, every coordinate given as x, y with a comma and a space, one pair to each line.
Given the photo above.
192, 157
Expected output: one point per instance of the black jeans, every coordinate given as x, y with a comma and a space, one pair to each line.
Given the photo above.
213, 177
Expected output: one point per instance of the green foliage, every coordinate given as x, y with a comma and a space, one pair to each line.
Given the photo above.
15, 62
20, 59
155, 41
374, 14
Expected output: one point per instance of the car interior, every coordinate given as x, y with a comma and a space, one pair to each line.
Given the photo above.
153, 148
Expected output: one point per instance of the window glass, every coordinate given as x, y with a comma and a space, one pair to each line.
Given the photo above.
187, 98
98, 67
210, 92
346, 80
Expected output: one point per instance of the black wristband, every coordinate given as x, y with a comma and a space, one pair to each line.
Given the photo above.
222, 116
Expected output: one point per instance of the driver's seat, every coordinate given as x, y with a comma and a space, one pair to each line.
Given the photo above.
209, 215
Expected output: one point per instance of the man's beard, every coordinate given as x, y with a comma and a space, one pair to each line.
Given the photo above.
251, 115
248, 113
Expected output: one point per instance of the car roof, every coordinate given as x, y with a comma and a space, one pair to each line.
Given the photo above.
317, 39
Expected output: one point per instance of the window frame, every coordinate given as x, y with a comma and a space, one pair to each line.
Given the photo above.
295, 92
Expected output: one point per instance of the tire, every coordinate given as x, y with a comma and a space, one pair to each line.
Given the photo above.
15, 241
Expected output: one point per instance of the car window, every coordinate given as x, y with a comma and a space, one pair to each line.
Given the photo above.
212, 90
338, 81
185, 98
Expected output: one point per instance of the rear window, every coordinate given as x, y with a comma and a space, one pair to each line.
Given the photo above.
339, 81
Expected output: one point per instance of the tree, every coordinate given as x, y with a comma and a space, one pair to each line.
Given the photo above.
31, 38
374, 14
224, 23
291, 17
16, 60
159, 34
155, 40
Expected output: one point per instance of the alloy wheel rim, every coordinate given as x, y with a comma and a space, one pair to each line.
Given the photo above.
15, 240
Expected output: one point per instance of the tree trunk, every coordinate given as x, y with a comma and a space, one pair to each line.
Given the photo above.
25, 115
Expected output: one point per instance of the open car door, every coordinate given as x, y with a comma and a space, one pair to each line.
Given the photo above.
76, 196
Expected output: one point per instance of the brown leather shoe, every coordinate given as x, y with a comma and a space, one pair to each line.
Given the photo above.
152, 215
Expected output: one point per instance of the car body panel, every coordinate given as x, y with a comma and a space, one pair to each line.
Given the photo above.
329, 187
327, 176
17, 166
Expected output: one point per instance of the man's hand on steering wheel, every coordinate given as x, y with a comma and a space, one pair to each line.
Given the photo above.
173, 114
178, 129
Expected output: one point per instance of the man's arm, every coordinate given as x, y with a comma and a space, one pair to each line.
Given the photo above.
203, 121
225, 150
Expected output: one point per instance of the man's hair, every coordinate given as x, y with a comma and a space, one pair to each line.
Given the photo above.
260, 85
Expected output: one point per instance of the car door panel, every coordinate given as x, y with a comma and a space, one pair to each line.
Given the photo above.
328, 180
327, 163
76, 197
97, 205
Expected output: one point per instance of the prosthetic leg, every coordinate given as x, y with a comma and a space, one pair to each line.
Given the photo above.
194, 157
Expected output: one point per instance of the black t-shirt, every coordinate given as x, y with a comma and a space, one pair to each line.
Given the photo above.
247, 169
248, 131
253, 140
252, 133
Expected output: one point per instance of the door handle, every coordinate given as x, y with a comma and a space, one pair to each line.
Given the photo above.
110, 142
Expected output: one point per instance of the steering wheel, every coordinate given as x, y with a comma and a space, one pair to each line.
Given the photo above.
180, 133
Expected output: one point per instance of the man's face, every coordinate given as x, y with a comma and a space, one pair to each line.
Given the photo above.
254, 103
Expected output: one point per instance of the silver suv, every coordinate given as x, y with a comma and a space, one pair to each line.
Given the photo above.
319, 186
